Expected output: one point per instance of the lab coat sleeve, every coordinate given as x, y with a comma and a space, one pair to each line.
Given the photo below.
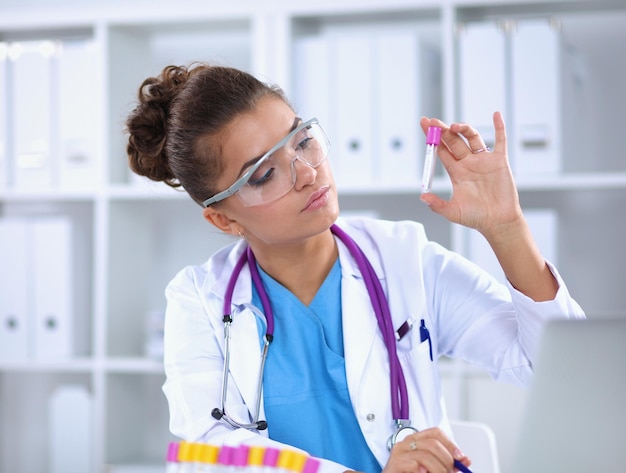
490, 325
193, 357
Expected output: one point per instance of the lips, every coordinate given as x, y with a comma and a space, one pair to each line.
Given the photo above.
318, 199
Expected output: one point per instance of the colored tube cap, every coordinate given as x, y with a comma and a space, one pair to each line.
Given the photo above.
433, 136
271, 456
311, 465
172, 452
208, 454
240, 455
256, 455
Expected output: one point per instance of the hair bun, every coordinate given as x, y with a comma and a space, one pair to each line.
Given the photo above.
147, 125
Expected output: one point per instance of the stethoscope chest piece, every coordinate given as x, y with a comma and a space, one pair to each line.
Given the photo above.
403, 430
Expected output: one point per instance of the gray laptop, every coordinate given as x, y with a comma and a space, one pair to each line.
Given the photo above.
575, 416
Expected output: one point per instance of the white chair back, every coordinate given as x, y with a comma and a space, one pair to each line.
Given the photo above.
478, 442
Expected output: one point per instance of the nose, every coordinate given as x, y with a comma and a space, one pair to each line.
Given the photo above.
304, 173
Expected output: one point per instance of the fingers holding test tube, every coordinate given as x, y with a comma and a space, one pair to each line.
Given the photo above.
483, 190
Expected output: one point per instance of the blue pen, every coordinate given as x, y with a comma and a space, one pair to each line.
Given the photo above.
425, 335
461, 467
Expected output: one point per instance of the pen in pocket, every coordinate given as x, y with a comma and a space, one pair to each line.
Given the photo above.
424, 336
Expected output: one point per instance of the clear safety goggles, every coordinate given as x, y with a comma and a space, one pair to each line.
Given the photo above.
274, 174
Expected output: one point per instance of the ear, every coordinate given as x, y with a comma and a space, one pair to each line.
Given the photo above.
221, 221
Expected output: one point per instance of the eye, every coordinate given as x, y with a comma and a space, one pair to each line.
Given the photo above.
261, 176
304, 144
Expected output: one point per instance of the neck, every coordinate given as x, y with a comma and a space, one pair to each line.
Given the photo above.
301, 267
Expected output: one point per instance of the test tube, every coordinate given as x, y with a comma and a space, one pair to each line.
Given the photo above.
311, 466
433, 138
207, 458
171, 461
255, 459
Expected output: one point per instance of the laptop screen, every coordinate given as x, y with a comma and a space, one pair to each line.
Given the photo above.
575, 415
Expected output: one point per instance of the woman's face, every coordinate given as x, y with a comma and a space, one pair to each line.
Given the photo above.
308, 209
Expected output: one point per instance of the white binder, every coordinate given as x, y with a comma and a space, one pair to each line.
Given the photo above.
311, 81
51, 283
78, 112
4, 109
70, 420
352, 68
483, 76
536, 74
14, 284
31, 79
397, 57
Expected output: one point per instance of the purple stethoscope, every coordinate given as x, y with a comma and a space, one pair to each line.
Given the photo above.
399, 394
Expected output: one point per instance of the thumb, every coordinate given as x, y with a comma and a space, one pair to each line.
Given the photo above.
437, 205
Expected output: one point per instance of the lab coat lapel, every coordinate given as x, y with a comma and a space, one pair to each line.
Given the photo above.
245, 356
358, 321
245, 348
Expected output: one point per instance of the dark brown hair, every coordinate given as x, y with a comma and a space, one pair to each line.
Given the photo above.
178, 114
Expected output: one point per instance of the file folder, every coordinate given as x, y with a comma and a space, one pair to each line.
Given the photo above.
353, 71
52, 272
482, 76
4, 109
311, 81
70, 422
397, 57
31, 79
536, 98
78, 113
14, 285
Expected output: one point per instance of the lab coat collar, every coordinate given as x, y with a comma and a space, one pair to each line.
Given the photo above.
243, 289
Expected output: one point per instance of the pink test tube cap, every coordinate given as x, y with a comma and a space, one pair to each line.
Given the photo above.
271, 456
225, 456
434, 135
172, 452
311, 465
240, 455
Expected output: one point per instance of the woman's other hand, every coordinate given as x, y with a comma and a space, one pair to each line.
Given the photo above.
427, 451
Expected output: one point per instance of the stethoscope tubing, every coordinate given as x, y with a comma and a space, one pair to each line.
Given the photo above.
399, 393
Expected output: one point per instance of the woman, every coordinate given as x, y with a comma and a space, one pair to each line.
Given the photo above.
262, 174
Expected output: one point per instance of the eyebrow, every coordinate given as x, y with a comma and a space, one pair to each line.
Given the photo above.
296, 121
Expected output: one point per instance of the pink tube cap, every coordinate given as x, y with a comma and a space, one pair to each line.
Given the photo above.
311, 465
434, 135
172, 452
271, 456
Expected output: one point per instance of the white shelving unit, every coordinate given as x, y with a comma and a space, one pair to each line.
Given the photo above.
130, 237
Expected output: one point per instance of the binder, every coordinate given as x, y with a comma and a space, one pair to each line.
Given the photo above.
398, 61
31, 79
536, 98
311, 82
14, 284
77, 78
483, 76
353, 69
4, 110
51, 241
70, 422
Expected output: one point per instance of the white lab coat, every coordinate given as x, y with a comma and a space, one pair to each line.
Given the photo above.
469, 315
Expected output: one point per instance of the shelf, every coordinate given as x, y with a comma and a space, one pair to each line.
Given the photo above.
131, 235
133, 365
76, 365
47, 195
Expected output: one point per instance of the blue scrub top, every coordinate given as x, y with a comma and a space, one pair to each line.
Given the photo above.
307, 403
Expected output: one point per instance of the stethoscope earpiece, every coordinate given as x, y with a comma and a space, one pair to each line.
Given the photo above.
217, 414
